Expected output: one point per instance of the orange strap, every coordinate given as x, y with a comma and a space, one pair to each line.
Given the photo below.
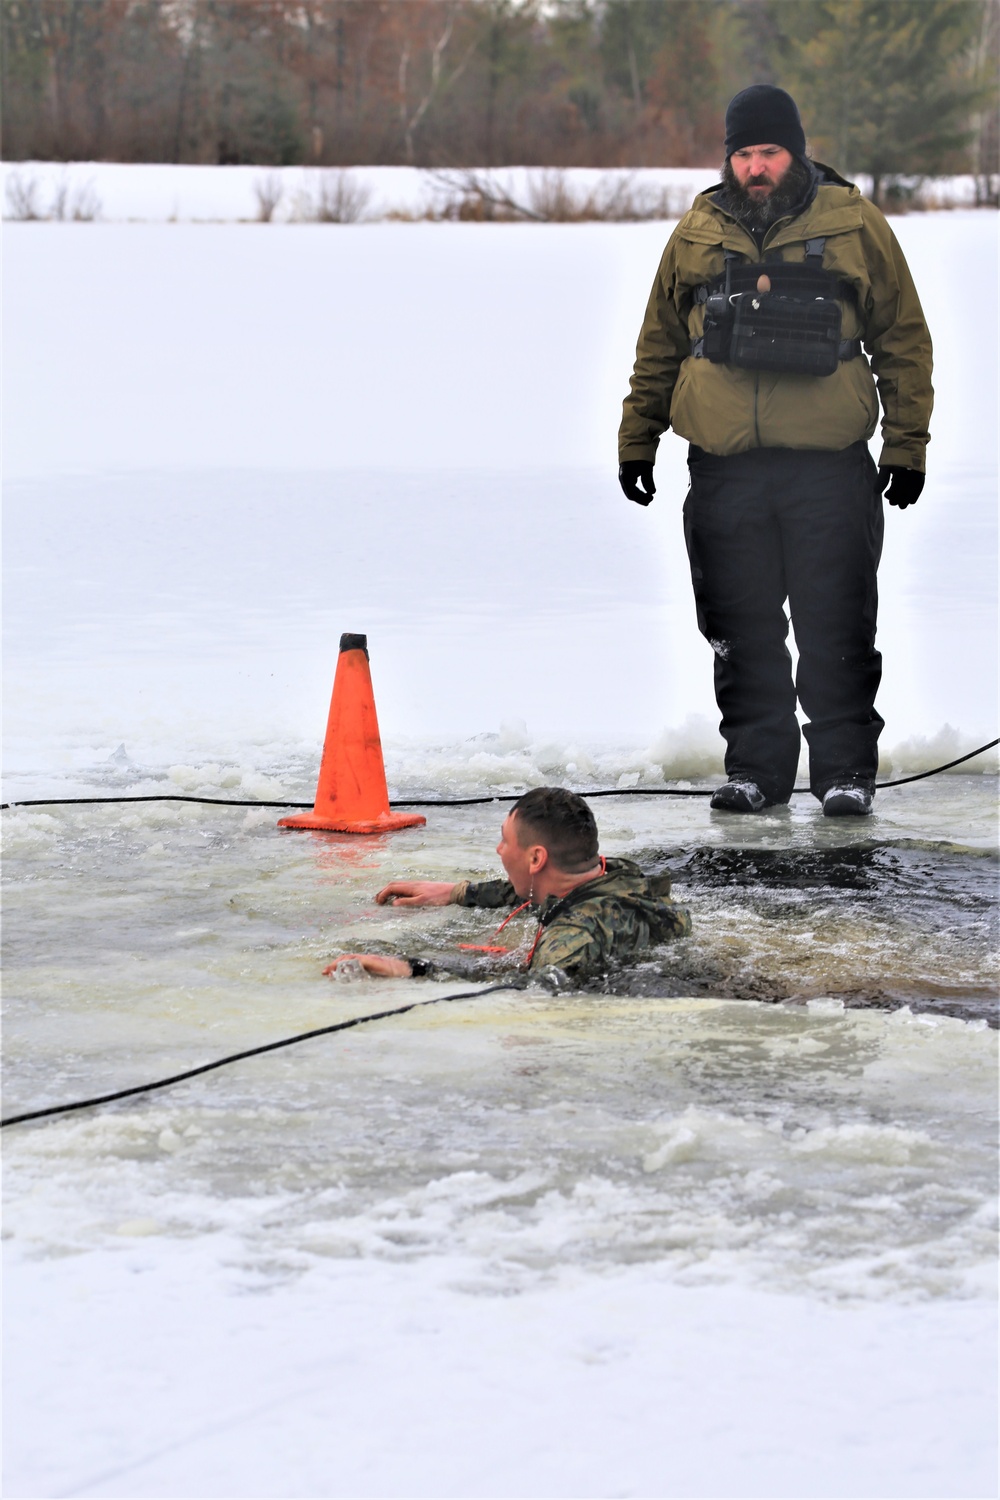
516, 912
498, 947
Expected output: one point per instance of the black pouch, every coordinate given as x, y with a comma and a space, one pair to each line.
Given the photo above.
717, 333
785, 319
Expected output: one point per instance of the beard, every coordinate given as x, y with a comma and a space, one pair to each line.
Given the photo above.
760, 213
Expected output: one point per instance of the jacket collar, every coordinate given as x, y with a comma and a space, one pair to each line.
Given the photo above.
834, 209
604, 884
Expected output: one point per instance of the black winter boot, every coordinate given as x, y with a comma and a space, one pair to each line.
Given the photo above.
739, 796
852, 801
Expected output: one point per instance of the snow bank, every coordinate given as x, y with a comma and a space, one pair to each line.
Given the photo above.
115, 191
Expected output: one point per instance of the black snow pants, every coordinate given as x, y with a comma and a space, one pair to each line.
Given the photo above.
805, 526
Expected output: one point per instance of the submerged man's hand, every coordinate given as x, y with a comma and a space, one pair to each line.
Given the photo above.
374, 963
417, 893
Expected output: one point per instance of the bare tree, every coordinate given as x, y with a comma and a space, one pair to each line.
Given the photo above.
333, 197
410, 120
268, 191
22, 197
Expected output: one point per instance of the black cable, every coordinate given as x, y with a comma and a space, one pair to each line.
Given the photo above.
923, 775
288, 1041
154, 797
628, 791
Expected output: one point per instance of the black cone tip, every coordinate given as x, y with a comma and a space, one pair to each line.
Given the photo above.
350, 642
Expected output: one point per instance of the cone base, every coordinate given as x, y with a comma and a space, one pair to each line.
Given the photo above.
384, 823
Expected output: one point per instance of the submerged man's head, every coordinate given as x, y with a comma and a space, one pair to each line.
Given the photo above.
548, 827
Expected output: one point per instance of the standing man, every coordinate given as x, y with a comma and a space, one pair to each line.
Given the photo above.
771, 292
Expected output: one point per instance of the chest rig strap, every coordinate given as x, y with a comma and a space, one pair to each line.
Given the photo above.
703, 292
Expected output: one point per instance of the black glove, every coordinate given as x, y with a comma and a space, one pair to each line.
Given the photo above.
633, 472
904, 484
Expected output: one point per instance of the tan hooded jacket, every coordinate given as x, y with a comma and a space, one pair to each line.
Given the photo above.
728, 410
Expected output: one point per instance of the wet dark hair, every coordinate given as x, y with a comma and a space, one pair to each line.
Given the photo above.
561, 821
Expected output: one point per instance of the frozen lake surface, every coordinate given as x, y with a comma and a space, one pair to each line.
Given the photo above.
724, 1227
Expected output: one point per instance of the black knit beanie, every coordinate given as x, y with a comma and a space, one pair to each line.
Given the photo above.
763, 115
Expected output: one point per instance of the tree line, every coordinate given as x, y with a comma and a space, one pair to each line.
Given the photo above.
887, 87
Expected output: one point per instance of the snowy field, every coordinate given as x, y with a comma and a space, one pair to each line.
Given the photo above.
664, 1242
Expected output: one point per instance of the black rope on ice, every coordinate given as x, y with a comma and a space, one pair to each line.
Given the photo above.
615, 791
923, 775
154, 797
223, 1062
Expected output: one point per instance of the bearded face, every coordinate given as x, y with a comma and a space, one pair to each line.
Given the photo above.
760, 210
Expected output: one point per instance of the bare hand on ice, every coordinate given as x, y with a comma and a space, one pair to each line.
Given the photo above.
417, 893
374, 963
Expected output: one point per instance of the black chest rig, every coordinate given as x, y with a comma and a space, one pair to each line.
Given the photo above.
785, 319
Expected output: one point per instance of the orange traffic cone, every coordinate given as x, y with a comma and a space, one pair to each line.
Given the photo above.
352, 796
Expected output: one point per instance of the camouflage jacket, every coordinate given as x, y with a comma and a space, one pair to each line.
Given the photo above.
611, 918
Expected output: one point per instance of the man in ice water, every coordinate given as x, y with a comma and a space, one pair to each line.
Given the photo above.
774, 292
584, 911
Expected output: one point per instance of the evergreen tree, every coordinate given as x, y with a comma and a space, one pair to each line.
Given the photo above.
886, 87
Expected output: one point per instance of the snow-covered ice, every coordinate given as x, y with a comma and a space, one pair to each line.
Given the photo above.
228, 439
364, 1379
661, 1242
